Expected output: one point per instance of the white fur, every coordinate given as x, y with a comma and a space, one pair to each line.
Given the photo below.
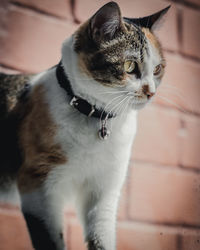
10, 194
95, 170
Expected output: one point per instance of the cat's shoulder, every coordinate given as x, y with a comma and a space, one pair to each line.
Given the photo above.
11, 86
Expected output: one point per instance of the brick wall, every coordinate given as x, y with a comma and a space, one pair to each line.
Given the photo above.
160, 205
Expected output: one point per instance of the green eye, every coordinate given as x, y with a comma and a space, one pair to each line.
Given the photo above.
129, 66
158, 69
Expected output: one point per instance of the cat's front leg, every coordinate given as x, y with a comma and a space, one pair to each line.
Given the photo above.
44, 218
98, 215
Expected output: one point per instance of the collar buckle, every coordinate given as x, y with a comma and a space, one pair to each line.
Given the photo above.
74, 102
92, 111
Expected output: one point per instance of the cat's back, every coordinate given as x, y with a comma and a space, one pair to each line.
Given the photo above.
10, 160
10, 88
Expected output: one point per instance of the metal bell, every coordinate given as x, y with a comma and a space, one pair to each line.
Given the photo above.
103, 133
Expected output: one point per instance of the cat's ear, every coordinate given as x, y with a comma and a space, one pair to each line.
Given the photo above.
148, 21
106, 22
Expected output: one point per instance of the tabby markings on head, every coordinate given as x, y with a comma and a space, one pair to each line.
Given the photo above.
105, 62
107, 40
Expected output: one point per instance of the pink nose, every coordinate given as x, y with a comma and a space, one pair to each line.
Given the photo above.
147, 92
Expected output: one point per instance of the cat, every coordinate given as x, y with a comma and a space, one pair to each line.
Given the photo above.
67, 133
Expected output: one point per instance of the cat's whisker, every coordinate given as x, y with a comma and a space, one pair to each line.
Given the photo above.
174, 93
110, 110
119, 109
168, 86
114, 108
173, 103
107, 105
174, 90
171, 86
178, 95
126, 106
114, 92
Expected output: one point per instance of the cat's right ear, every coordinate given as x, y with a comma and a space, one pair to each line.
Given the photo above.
106, 22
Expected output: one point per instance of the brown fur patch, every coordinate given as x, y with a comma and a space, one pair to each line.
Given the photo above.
36, 139
104, 59
153, 40
10, 88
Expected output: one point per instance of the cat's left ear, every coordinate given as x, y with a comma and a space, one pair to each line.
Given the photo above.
106, 22
148, 21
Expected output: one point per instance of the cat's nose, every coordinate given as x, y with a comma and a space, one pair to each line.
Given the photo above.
147, 92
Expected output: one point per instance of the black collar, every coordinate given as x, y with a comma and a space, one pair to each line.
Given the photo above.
77, 102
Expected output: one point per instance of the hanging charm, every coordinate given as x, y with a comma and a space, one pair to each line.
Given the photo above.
103, 131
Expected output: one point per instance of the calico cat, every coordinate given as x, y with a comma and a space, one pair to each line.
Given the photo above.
67, 134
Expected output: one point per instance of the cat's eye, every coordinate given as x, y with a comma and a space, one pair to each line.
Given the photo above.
129, 66
157, 70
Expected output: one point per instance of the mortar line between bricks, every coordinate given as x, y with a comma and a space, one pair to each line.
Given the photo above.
68, 239
5, 66
174, 108
185, 4
37, 11
167, 224
179, 21
160, 165
73, 11
182, 127
192, 58
128, 192
185, 112
7, 206
190, 169
178, 242
183, 55
178, 229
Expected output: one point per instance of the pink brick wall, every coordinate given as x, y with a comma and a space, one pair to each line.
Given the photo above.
160, 205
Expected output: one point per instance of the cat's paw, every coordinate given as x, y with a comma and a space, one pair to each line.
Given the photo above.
95, 244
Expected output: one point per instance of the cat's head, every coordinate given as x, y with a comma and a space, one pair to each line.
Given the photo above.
120, 53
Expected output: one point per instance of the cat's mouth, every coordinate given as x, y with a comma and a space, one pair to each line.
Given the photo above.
138, 105
140, 98
139, 101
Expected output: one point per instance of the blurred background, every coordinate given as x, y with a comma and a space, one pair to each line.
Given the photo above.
160, 203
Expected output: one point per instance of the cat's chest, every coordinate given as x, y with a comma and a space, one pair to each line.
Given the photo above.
86, 154
90, 160
84, 149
